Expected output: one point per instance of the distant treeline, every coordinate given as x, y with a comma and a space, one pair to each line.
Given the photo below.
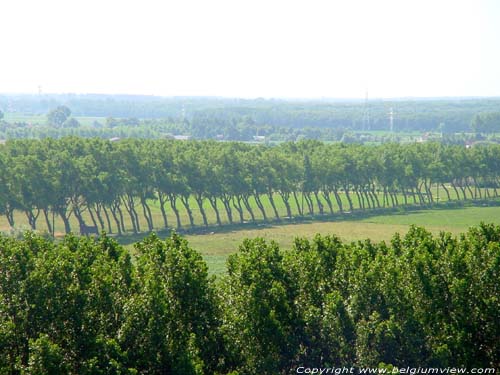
109, 181
209, 117
84, 307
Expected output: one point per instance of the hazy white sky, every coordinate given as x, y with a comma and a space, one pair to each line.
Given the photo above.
252, 48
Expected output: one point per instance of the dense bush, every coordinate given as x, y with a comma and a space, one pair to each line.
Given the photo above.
82, 306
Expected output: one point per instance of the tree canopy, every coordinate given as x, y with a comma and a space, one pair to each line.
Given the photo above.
113, 185
82, 306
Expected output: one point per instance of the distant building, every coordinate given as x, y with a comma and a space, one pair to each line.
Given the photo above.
114, 139
182, 137
423, 138
259, 138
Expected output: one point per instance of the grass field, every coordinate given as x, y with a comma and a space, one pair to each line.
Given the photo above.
216, 247
217, 243
22, 223
41, 119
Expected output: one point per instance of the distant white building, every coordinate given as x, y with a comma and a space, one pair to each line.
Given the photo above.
182, 137
259, 138
114, 139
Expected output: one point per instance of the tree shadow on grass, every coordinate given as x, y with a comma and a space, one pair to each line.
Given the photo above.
356, 215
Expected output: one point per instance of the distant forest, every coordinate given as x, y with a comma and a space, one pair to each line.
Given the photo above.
243, 119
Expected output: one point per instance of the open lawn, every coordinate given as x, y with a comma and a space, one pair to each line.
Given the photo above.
22, 223
216, 247
41, 119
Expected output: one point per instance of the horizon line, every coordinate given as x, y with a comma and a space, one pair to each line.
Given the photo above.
284, 98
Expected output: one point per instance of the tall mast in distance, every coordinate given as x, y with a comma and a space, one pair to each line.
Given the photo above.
391, 120
366, 114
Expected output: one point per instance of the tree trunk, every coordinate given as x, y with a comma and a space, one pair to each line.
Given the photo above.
328, 200
495, 187
163, 201
185, 203
213, 203
478, 189
320, 205
339, 200
391, 195
248, 207
119, 224
261, 206
487, 191
65, 219
346, 191
99, 216
310, 206
238, 207
9, 213
414, 195
47, 221
395, 197
32, 218
447, 192
420, 196
375, 195
456, 190
469, 189
78, 215
227, 206
199, 200
430, 198
173, 203
372, 196
285, 197
462, 189
405, 197
271, 200
146, 211
129, 206
386, 200
106, 215
299, 208
93, 219
364, 193
120, 215
360, 203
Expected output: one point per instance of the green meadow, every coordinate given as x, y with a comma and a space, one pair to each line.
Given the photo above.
216, 246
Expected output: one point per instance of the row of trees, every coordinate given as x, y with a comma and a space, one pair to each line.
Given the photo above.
83, 307
106, 182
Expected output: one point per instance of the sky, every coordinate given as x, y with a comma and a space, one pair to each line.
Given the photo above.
253, 48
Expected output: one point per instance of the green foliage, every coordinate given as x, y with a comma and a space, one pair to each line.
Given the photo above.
67, 297
82, 307
237, 119
260, 321
486, 122
58, 116
102, 184
45, 357
414, 303
171, 322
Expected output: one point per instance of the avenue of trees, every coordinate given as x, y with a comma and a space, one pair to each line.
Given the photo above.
82, 306
113, 185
